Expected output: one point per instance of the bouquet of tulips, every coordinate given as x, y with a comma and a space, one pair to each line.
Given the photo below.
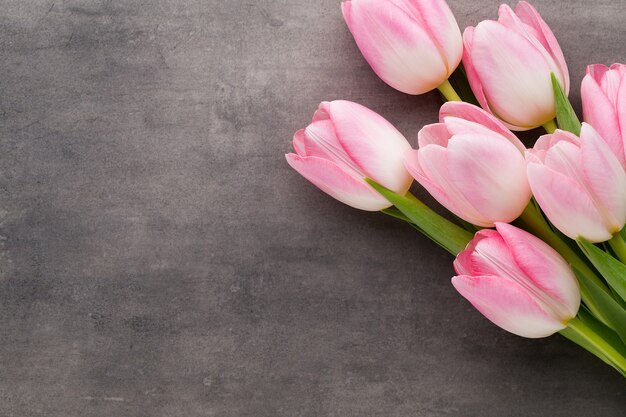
538, 233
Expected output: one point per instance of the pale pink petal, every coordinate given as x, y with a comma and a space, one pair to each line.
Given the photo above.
566, 204
298, 142
372, 143
620, 68
604, 176
400, 51
457, 126
545, 142
610, 83
545, 268
436, 17
515, 76
491, 256
532, 18
473, 113
470, 71
331, 179
508, 305
322, 112
463, 264
566, 158
599, 112
491, 174
412, 164
535, 156
620, 105
597, 71
428, 166
433, 134
320, 140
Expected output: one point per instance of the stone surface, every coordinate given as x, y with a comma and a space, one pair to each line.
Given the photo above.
159, 258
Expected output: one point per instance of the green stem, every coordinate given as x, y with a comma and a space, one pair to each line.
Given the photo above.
540, 228
550, 126
448, 91
597, 344
619, 246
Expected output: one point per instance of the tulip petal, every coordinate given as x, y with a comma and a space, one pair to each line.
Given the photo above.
470, 71
475, 114
413, 166
516, 73
565, 158
491, 256
372, 143
463, 264
491, 174
529, 15
298, 142
508, 305
599, 112
597, 72
605, 176
436, 17
429, 166
331, 179
322, 112
457, 126
321, 141
567, 204
433, 134
545, 142
389, 40
620, 105
541, 264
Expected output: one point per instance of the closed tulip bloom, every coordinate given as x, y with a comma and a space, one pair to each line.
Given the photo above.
471, 164
517, 281
579, 184
603, 92
508, 65
413, 45
344, 144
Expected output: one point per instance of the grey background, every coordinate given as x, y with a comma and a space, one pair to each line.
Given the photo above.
159, 258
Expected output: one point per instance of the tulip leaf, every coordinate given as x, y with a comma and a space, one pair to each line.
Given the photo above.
613, 271
614, 314
565, 115
394, 212
442, 231
591, 330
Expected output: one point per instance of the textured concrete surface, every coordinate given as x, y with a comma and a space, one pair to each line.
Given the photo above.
159, 258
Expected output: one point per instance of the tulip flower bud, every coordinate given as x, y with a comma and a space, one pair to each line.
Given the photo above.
517, 281
471, 164
579, 184
508, 65
603, 92
344, 144
413, 45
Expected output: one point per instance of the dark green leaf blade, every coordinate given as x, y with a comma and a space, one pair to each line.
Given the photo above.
613, 271
614, 314
447, 234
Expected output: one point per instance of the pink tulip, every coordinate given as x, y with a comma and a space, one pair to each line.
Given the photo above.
517, 281
579, 184
345, 143
508, 65
603, 91
413, 45
471, 164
